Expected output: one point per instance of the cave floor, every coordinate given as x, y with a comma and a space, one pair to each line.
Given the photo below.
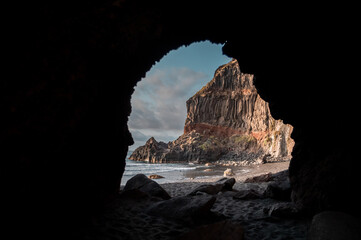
127, 218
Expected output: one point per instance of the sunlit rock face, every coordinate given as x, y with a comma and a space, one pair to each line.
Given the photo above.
227, 122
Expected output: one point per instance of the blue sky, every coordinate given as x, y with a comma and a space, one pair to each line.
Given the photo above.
159, 101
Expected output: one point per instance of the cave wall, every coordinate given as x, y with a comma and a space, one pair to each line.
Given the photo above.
71, 69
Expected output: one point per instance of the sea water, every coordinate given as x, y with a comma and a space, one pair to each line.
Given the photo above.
172, 172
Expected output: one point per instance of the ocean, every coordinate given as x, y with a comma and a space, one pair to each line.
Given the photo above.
172, 172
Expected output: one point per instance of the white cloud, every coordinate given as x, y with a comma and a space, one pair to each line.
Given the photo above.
159, 101
139, 136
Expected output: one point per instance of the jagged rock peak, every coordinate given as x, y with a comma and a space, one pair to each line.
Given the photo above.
151, 141
229, 77
231, 100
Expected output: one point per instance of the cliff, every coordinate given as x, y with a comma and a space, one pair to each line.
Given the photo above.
228, 123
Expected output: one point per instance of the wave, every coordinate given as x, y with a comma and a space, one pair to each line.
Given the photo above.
159, 167
153, 170
132, 168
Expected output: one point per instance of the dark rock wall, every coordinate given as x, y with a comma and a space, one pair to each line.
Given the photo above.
70, 69
314, 93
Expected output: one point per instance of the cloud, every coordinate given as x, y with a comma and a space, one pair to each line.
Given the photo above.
139, 136
159, 100
143, 115
170, 83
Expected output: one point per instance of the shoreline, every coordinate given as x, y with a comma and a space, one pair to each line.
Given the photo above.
204, 173
241, 173
184, 187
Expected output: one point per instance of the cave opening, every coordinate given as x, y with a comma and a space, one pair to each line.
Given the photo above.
159, 100
73, 68
234, 126
238, 139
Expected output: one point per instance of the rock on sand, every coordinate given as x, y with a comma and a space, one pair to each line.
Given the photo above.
155, 176
228, 172
146, 185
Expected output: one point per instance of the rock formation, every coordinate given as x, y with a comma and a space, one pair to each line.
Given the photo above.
71, 68
228, 123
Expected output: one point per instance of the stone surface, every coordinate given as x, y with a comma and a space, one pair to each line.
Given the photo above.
188, 209
279, 190
144, 184
248, 194
283, 210
224, 184
227, 183
261, 178
227, 120
334, 226
228, 172
208, 170
208, 188
155, 176
224, 230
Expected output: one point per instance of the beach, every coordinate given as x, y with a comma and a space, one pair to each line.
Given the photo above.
241, 173
185, 172
129, 217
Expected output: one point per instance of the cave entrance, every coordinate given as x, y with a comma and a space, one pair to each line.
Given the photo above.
159, 100
195, 106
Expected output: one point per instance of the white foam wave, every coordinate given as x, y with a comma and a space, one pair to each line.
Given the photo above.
132, 168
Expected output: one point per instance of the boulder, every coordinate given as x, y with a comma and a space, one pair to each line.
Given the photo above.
248, 194
144, 184
283, 210
260, 178
224, 184
134, 194
331, 225
277, 177
189, 209
281, 176
279, 191
155, 176
227, 183
207, 188
228, 172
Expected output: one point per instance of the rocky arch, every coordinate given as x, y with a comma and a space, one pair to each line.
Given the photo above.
73, 66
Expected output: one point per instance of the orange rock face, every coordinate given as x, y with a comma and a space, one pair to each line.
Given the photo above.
227, 120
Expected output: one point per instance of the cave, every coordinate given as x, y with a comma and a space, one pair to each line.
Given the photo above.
71, 69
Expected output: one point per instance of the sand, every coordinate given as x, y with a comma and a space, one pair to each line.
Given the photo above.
249, 213
241, 173
127, 219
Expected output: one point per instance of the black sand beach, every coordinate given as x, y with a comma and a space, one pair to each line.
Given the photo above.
246, 205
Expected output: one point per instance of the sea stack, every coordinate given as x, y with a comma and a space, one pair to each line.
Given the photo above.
227, 123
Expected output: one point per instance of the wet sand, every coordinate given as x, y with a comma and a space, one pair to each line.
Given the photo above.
213, 173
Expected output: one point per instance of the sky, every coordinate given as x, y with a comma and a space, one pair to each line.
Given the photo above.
159, 100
